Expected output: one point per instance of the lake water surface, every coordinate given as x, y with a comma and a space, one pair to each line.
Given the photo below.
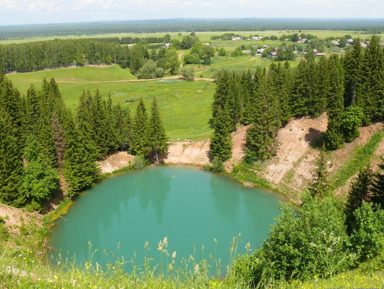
189, 206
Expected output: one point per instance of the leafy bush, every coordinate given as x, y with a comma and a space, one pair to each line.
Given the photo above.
352, 119
150, 70
368, 233
138, 162
217, 166
188, 73
304, 243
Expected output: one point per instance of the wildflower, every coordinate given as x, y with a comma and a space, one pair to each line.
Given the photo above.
197, 269
202, 247
214, 240
160, 248
146, 244
248, 247
165, 241
174, 254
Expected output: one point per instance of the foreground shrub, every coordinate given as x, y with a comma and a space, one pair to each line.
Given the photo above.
304, 243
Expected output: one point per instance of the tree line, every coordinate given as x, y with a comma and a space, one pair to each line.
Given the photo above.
350, 89
45, 147
28, 57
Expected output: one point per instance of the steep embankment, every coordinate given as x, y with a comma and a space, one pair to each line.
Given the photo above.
290, 171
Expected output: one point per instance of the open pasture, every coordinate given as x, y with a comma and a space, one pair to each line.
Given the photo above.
185, 106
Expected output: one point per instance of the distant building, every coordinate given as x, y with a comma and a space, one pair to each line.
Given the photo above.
260, 51
235, 38
319, 54
273, 54
248, 52
335, 42
257, 38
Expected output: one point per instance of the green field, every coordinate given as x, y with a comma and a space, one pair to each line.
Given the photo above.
185, 106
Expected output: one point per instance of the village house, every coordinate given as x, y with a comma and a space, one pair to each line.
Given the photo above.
273, 54
235, 38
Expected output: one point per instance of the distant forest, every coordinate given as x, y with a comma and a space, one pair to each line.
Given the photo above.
176, 25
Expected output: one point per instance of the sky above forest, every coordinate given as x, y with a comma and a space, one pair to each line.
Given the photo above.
64, 11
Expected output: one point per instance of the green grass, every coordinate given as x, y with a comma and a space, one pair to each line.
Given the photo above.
242, 63
185, 106
362, 156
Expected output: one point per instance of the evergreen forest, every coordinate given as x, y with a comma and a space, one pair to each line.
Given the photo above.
46, 148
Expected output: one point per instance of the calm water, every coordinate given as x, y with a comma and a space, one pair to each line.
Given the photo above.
189, 206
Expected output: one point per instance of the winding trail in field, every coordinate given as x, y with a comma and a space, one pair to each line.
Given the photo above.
131, 80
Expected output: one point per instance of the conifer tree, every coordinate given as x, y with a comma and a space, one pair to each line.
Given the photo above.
58, 139
378, 186
140, 130
84, 121
80, 170
370, 93
156, 134
221, 141
247, 88
322, 87
11, 163
319, 185
234, 102
334, 133
261, 136
360, 191
352, 68
220, 98
301, 92
122, 124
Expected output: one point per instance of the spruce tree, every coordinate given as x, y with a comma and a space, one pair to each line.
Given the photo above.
221, 141
234, 102
140, 131
360, 191
352, 67
334, 134
300, 97
261, 136
11, 164
122, 125
321, 88
378, 186
319, 185
80, 170
156, 134
370, 93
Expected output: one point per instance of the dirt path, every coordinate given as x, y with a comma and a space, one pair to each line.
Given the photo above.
181, 58
133, 80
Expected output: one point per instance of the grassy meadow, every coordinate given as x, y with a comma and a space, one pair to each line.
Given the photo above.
185, 106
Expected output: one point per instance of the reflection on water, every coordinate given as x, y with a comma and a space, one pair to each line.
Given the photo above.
189, 206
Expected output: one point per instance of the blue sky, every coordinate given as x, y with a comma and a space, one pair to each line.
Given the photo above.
55, 11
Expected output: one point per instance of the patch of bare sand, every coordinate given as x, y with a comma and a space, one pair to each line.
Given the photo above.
239, 138
115, 162
13, 216
189, 153
295, 141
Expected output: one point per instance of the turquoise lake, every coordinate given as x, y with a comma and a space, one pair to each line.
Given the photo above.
189, 206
